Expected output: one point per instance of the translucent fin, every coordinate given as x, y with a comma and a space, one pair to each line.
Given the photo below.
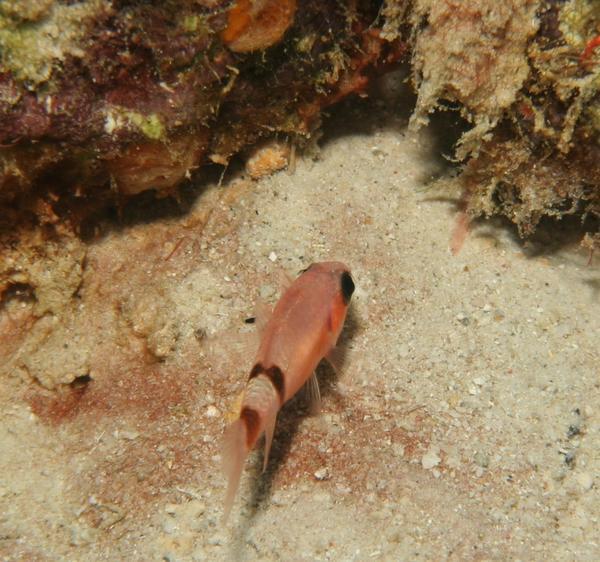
262, 313
236, 407
269, 431
285, 280
240, 345
460, 232
335, 358
314, 394
234, 455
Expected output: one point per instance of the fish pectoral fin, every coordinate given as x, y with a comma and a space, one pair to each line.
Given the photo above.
262, 313
239, 344
269, 432
285, 280
314, 394
335, 358
262, 310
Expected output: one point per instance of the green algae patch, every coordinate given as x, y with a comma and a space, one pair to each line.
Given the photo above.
150, 125
35, 39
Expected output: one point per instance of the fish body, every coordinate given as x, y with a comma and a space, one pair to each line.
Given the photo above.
303, 329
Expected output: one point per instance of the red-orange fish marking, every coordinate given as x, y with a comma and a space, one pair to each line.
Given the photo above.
303, 329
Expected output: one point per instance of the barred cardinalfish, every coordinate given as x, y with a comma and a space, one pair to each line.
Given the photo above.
303, 329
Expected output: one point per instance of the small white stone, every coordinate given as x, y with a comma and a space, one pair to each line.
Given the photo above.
266, 291
398, 449
322, 474
129, 435
487, 308
273, 256
170, 508
278, 498
463, 318
170, 526
430, 459
211, 412
216, 540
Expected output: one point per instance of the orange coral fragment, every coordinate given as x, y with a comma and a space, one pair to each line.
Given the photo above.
267, 159
257, 24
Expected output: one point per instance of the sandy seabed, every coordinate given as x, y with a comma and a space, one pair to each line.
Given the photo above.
463, 425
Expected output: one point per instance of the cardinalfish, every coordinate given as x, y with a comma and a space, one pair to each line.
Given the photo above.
302, 330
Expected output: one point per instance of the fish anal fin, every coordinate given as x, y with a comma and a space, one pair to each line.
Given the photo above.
314, 394
269, 432
234, 456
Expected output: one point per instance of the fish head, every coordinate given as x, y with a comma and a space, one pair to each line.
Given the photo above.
336, 279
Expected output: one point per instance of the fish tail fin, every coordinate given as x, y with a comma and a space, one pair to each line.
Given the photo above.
269, 431
234, 455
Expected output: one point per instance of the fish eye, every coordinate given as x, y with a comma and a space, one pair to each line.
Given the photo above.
347, 286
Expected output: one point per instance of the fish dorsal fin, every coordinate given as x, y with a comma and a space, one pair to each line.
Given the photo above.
313, 394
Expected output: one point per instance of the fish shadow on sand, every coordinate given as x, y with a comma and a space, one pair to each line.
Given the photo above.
288, 422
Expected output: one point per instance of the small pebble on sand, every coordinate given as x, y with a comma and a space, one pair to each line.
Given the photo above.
430, 459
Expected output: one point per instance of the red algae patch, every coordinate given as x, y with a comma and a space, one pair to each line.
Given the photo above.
144, 391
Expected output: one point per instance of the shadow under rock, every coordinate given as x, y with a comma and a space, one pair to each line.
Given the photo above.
147, 207
379, 110
551, 237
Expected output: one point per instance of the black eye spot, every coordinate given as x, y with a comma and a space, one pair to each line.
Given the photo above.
347, 286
